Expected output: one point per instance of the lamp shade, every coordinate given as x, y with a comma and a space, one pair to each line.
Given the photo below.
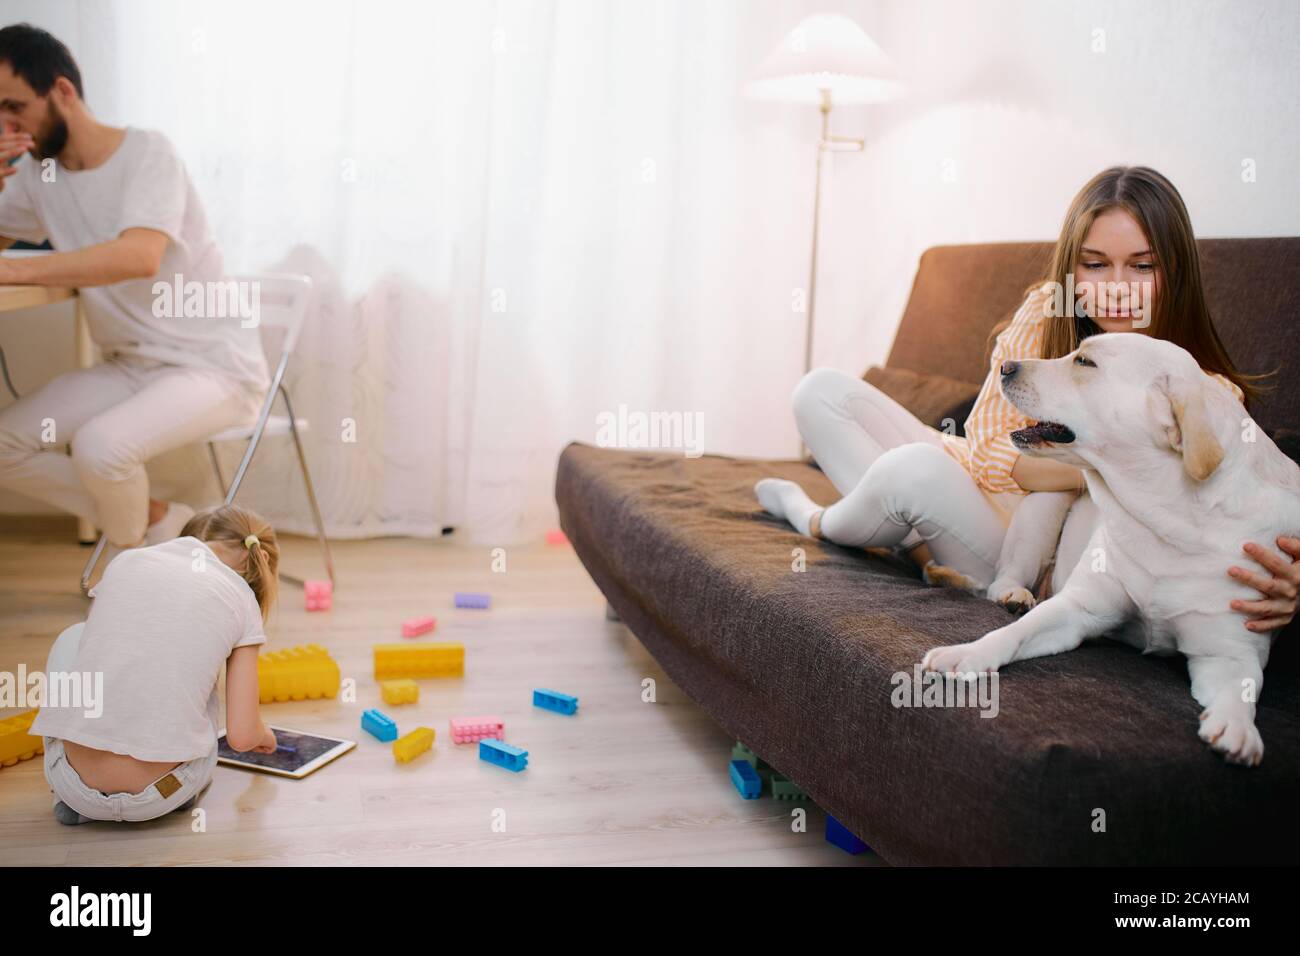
826, 52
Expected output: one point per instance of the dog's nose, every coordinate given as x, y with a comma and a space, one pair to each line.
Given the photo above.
1010, 368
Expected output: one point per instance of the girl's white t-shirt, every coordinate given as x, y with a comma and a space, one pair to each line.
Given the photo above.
163, 622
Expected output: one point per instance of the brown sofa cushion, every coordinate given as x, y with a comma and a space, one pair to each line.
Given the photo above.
931, 398
959, 294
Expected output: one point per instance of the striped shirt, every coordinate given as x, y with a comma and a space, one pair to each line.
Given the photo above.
986, 451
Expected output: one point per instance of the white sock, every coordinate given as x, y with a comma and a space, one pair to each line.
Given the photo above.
169, 525
785, 499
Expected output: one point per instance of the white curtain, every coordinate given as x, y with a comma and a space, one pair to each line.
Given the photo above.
518, 215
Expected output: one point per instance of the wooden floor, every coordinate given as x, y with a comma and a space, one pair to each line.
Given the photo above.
624, 782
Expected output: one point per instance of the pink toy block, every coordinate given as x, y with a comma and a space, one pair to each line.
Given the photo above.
556, 536
319, 595
418, 625
468, 730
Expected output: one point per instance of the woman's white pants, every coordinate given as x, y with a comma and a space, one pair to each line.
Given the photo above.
899, 485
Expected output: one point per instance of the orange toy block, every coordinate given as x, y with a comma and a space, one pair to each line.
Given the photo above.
419, 660
15, 742
304, 672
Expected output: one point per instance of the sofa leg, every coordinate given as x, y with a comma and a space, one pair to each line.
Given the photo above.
610, 613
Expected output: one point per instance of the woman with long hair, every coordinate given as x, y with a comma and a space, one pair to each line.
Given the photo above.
1126, 261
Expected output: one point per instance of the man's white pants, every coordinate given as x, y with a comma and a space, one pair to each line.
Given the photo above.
117, 415
900, 486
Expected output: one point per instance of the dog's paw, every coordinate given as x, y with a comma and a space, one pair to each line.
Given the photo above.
1017, 600
1232, 732
961, 659
941, 575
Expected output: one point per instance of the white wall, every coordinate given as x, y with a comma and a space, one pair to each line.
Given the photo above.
1012, 94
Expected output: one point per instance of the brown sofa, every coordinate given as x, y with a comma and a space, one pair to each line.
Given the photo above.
799, 665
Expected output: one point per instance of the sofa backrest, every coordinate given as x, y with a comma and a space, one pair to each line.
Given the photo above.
1252, 285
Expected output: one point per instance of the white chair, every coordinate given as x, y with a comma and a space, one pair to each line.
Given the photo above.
283, 304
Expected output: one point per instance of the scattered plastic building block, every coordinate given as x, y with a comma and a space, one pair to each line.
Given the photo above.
470, 730
419, 660
554, 700
404, 691
783, 788
503, 755
556, 536
838, 834
319, 595
741, 752
478, 602
418, 625
303, 672
413, 744
379, 724
16, 743
746, 779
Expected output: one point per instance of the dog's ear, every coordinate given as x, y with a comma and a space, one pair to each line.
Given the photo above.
1187, 424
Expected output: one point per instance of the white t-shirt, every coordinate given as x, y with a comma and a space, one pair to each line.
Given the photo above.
159, 631
142, 185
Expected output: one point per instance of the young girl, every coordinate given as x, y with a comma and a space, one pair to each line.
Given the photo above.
1128, 249
164, 620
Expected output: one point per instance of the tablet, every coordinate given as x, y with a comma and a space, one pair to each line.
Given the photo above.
298, 753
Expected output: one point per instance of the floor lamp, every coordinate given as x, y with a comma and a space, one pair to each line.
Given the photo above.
826, 59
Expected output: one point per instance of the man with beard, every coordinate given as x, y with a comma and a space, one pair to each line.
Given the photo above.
120, 211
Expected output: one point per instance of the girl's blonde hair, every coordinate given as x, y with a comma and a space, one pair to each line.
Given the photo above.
1181, 315
251, 534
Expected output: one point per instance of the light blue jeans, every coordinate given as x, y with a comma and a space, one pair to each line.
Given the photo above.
169, 792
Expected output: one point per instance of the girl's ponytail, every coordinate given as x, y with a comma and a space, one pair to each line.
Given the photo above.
249, 532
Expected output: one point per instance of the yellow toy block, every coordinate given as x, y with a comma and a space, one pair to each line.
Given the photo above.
16, 743
298, 673
400, 691
419, 660
413, 744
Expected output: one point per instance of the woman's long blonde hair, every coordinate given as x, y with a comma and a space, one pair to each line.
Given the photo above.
234, 526
1180, 314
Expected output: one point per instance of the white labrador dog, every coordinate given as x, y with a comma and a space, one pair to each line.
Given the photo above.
1180, 478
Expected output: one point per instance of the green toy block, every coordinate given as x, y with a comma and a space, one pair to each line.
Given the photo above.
741, 752
783, 788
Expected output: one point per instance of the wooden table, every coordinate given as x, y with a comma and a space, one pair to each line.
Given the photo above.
14, 297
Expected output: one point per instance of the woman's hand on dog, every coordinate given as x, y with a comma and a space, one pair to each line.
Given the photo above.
1279, 587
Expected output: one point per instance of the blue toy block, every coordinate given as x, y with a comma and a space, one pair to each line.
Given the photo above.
746, 779
479, 602
838, 834
502, 755
554, 700
378, 724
